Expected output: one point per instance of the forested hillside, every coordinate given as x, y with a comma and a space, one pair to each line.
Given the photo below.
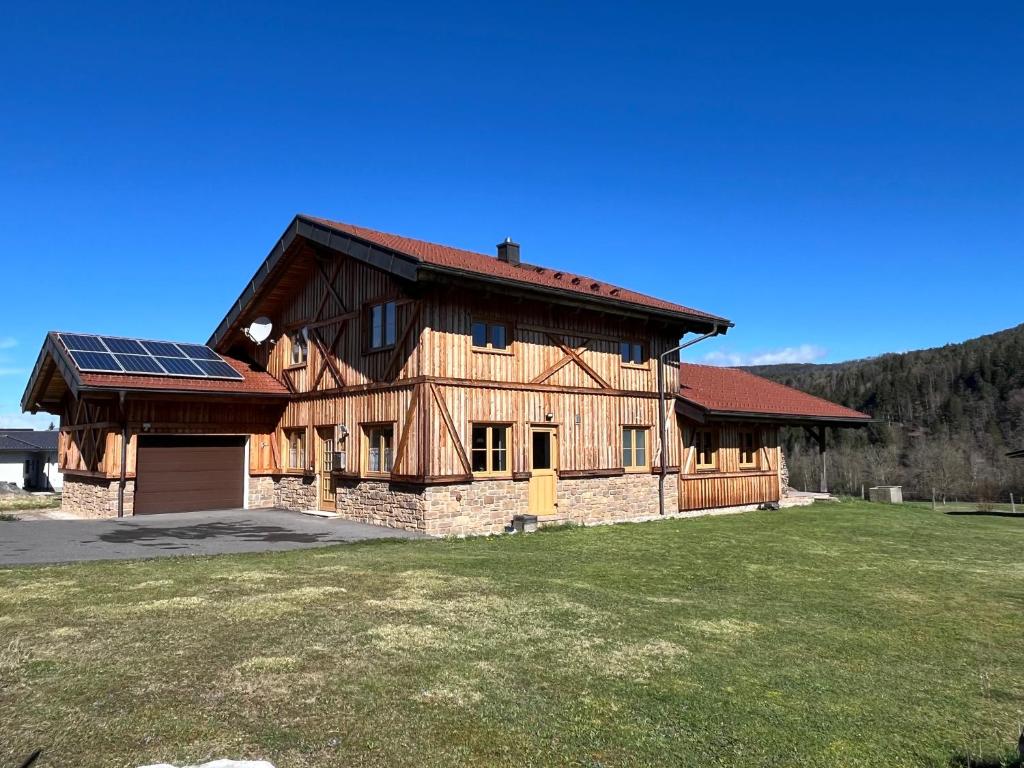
947, 418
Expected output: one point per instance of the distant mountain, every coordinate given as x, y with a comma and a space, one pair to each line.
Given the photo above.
948, 414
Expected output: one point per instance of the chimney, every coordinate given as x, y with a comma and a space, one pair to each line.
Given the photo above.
509, 252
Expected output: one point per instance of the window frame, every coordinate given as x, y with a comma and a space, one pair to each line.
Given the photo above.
491, 426
488, 324
370, 308
286, 454
634, 430
296, 340
632, 346
713, 439
367, 438
755, 448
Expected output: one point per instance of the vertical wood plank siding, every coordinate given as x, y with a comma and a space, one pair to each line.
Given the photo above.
728, 485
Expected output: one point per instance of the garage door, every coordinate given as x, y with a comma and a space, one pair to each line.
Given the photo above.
184, 473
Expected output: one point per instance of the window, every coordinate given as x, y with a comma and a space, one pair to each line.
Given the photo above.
634, 447
490, 336
632, 353
748, 449
299, 349
295, 448
490, 449
379, 439
382, 325
704, 442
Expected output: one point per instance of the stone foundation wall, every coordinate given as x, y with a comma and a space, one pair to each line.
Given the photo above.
295, 492
261, 492
488, 506
95, 497
483, 506
381, 503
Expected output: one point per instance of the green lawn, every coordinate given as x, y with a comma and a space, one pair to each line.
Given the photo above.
834, 635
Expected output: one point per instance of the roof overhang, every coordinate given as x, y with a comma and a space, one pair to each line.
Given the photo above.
412, 269
54, 374
701, 415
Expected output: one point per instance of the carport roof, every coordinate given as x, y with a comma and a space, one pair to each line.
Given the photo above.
55, 372
730, 393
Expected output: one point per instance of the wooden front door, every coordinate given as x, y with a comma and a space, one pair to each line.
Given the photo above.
325, 466
543, 470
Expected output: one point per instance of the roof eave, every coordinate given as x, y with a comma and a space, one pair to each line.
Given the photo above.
67, 371
703, 414
617, 306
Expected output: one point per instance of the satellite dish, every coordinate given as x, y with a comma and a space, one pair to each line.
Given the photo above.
259, 329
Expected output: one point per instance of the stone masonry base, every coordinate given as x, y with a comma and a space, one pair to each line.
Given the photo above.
95, 497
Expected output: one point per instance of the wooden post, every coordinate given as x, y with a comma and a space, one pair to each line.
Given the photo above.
1013, 505
824, 459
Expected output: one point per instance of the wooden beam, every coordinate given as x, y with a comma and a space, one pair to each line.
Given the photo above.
396, 356
580, 361
447, 418
558, 365
403, 441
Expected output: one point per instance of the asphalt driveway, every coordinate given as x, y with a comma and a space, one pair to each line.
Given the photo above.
182, 533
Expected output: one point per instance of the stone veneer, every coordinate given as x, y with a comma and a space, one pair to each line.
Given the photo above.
261, 491
488, 506
95, 496
295, 492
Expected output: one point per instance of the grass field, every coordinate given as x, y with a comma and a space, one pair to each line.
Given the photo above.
834, 635
20, 502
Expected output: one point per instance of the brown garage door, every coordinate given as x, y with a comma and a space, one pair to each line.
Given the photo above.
184, 473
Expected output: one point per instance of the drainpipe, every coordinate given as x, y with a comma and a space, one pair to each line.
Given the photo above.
663, 416
124, 455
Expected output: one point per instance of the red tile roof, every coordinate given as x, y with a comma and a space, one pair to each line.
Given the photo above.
730, 390
253, 382
446, 257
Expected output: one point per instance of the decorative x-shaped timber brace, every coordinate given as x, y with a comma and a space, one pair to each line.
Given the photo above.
570, 356
318, 322
87, 433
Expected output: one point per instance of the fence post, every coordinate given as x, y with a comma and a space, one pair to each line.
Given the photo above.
933, 499
1013, 505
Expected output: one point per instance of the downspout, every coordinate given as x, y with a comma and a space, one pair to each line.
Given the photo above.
663, 415
124, 454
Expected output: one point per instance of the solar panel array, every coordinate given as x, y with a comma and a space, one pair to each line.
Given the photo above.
111, 354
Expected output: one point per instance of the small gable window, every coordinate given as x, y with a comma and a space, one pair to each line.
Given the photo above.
490, 336
299, 349
382, 325
632, 353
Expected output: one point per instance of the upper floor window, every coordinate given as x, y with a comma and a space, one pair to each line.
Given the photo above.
382, 325
634, 447
490, 336
706, 449
295, 448
748, 448
379, 440
299, 349
632, 353
490, 449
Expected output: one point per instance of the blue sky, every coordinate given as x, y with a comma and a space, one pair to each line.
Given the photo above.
839, 180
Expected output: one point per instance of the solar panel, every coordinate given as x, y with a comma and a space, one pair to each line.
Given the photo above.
113, 354
123, 346
180, 366
83, 343
139, 363
199, 352
95, 361
163, 349
216, 368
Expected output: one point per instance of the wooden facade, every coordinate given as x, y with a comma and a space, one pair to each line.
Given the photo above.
730, 482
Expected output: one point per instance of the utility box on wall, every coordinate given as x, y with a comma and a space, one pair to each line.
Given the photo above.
886, 494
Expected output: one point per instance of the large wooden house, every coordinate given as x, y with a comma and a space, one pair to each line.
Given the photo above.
419, 386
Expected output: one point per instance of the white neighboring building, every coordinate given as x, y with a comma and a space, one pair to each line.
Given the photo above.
28, 459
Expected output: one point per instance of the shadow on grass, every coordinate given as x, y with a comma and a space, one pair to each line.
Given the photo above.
968, 760
985, 512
